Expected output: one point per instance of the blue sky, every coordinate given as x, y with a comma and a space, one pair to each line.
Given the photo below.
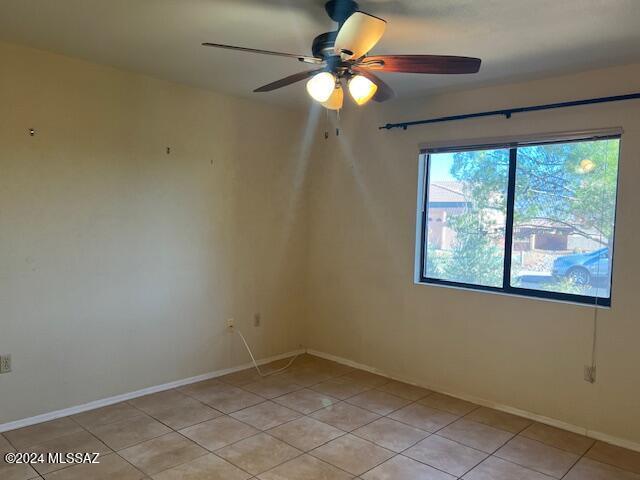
440, 167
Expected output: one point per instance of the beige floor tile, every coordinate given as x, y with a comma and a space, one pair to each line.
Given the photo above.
308, 376
162, 453
448, 404
157, 402
175, 409
126, 433
494, 468
562, 439
537, 456
16, 471
305, 401
405, 390
588, 469
105, 415
390, 434
423, 417
270, 367
352, 454
201, 388
219, 432
344, 416
366, 378
272, 387
307, 359
403, 468
498, 419
240, 378
305, 467
186, 415
446, 455
378, 402
616, 456
259, 453
305, 433
79, 442
336, 369
111, 467
476, 435
5, 446
42, 432
266, 415
225, 398
340, 388
208, 467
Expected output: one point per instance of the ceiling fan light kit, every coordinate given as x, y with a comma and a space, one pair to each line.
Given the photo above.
362, 89
321, 86
343, 55
336, 99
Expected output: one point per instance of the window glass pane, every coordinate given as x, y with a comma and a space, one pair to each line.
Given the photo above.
564, 216
466, 213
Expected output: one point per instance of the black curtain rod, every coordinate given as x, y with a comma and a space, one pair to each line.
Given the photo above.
507, 113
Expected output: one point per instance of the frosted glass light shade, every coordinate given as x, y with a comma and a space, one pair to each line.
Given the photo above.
362, 89
321, 86
335, 100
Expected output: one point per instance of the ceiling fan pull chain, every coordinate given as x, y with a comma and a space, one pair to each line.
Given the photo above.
338, 123
326, 125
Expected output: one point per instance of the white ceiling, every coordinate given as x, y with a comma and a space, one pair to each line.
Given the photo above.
515, 38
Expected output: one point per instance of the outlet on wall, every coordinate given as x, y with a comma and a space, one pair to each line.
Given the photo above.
5, 363
231, 323
256, 319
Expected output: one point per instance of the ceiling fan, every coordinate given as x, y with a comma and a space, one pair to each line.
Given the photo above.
343, 55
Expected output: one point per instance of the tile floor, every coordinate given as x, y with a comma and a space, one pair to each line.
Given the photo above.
317, 421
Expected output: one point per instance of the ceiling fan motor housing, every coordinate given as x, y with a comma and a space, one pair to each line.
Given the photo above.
322, 46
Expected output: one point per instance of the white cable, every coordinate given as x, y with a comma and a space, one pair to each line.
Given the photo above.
594, 344
255, 364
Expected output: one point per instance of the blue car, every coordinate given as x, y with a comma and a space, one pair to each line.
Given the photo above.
583, 268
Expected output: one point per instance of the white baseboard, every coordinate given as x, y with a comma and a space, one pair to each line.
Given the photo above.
620, 442
45, 417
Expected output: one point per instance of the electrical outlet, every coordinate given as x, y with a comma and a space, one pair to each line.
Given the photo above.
256, 319
590, 374
5, 363
231, 323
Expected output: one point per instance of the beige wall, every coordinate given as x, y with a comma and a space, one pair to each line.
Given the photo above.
524, 353
119, 263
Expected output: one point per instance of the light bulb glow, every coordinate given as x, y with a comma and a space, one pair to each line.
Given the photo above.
321, 86
362, 89
335, 100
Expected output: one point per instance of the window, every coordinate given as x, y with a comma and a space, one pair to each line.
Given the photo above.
534, 219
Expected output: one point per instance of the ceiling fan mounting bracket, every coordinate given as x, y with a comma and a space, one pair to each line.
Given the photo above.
340, 10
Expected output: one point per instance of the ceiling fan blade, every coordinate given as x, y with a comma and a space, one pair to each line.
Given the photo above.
422, 64
358, 34
283, 82
302, 58
384, 92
